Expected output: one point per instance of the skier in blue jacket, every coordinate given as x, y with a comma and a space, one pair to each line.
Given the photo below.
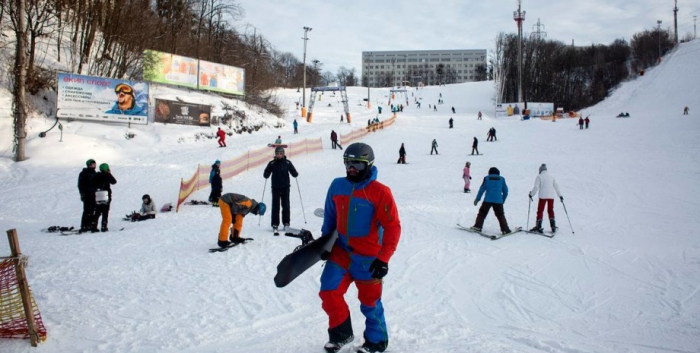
494, 185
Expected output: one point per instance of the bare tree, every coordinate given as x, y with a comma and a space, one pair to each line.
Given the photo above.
17, 11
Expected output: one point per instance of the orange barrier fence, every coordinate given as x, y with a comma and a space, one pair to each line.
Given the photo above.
240, 164
346, 139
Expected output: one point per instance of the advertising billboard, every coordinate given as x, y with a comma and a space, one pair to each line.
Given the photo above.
504, 110
170, 69
175, 112
101, 99
221, 78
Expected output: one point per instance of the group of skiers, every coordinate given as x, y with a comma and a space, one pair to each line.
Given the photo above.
582, 122
491, 135
96, 195
496, 191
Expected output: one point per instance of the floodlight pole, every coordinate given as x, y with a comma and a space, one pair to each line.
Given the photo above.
675, 20
303, 95
658, 22
519, 17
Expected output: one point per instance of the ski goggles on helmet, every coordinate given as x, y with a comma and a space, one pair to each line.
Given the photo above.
358, 164
123, 88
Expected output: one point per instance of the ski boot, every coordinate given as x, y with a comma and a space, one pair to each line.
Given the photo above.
339, 336
538, 227
275, 229
223, 244
286, 227
506, 231
369, 347
553, 224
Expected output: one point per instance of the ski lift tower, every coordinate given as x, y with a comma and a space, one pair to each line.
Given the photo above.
519, 17
343, 97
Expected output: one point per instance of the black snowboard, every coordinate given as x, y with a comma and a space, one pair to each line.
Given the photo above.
302, 259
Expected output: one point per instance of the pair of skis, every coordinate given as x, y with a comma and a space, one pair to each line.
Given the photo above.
490, 236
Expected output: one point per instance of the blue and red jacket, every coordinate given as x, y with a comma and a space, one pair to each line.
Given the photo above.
365, 216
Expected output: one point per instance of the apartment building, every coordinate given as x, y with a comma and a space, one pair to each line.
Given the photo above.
428, 67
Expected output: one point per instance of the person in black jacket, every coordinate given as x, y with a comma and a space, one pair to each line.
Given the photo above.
86, 188
216, 187
280, 168
102, 181
475, 146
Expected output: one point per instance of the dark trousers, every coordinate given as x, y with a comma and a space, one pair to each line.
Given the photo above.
334, 144
434, 149
475, 149
402, 160
214, 195
277, 196
101, 210
497, 209
88, 211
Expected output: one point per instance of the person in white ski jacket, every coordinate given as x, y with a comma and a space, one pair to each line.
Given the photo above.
548, 188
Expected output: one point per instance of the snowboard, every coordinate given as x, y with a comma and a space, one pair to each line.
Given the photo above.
232, 245
490, 236
167, 207
275, 145
303, 258
196, 202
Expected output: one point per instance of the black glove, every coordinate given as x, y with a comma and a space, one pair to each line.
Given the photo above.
561, 198
379, 268
325, 255
530, 196
476, 202
82, 198
470, 178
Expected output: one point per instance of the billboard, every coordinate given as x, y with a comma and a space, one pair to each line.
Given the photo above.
221, 78
504, 110
170, 69
101, 99
175, 112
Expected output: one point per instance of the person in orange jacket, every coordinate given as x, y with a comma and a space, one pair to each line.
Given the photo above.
233, 208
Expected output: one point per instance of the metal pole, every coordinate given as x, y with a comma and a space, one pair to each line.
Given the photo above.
529, 203
519, 17
659, 35
567, 217
301, 201
262, 199
303, 99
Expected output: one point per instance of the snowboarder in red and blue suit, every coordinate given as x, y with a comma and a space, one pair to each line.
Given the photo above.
364, 213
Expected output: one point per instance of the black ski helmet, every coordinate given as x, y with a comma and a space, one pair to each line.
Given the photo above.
279, 149
146, 197
359, 151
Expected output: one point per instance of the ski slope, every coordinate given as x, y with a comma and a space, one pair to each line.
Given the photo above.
626, 281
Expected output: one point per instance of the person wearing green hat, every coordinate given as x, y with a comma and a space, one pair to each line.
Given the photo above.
102, 181
86, 188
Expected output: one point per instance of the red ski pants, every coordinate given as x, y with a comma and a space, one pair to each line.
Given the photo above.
550, 208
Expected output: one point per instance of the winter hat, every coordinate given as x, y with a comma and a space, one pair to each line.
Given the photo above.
279, 149
543, 167
217, 162
494, 170
89, 161
104, 167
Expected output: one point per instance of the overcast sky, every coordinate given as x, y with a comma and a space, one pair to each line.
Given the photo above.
343, 29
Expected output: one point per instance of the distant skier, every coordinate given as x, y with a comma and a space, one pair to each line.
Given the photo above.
453, 110
278, 141
587, 121
402, 155
216, 183
479, 116
547, 187
280, 168
233, 208
475, 146
86, 188
334, 139
494, 185
580, 123
451, 123
296, 126
434, 108
103, 181
434, 147
686, 110
379, 109
222, 137
363, 212
491, 135
466, 175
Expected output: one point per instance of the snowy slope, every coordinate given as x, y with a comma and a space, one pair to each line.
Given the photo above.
626, 281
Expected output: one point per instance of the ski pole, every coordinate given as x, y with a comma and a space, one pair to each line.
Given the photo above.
303, 213
529, 203
567, 216
262, 199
